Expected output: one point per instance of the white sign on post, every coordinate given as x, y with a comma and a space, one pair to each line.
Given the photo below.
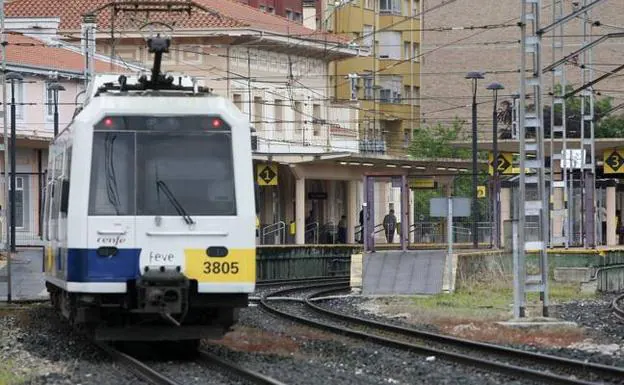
449, 208
438, 207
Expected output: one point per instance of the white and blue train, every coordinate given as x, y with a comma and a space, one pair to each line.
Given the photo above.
149, 215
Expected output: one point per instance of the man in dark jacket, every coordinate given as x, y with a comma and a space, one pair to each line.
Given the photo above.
389, 224
361, 226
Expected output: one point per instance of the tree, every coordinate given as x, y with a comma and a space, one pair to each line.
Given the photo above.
613, 126
434, 142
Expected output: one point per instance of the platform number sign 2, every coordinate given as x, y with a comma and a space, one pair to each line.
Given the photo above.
266, 174
504, 163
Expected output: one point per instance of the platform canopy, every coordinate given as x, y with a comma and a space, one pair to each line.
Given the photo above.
413, 166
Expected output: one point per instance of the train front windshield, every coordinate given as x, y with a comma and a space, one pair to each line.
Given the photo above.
180, 165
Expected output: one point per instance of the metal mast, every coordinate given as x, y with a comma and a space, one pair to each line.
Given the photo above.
532, 199
587, 135
559, 224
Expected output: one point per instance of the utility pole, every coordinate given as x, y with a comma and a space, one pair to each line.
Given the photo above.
6, 154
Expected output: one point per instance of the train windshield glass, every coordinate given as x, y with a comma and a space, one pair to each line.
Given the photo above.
128, 168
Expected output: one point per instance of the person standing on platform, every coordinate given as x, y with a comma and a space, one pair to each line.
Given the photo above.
389, 225
342, 229
361, 226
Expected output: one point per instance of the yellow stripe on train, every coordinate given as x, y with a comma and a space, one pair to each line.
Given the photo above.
238, 266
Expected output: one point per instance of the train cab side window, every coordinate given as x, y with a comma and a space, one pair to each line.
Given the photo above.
64, 197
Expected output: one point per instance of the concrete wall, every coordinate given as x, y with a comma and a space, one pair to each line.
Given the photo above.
303, 261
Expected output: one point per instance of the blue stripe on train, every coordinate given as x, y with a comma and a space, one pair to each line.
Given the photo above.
85, 265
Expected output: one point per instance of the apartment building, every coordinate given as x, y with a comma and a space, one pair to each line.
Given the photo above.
289, 9
386, 82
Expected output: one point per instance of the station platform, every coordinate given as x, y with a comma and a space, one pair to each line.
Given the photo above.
27, 281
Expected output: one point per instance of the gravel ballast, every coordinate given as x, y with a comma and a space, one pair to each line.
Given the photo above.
317, 358
37, 347
605, 344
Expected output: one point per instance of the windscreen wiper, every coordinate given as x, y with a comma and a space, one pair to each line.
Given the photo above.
174, 202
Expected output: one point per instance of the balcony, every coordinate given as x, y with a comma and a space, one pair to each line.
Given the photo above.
373, 146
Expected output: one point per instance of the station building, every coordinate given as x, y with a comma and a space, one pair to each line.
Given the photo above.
313, 142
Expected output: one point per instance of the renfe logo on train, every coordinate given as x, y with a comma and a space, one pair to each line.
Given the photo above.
114, 241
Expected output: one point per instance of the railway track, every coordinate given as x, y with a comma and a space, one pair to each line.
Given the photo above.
513, 362
618, 307
147, 373
289, 281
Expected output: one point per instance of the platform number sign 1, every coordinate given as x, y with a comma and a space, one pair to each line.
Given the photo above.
613, 161
266, 174
504, 163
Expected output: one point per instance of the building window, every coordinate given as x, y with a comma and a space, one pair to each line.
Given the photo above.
262, 8
407, 50
258, 113
367, 36
407, 95
353, 81
390, 89
390, 6
416, 9
238, 101
279, 115
49, 101
385, 95
390, 45
19, 100
406, 138
368, 87
369, 4
416, 51
289, 14
19, 202
416, 95
316, 119
298, 118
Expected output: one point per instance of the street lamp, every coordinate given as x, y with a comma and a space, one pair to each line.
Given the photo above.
56, 87
494, 87
12, 76
474, 76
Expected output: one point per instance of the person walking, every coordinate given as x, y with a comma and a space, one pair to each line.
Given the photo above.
389, 225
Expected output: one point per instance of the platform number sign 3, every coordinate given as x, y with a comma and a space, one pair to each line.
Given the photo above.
614, 161
266, 174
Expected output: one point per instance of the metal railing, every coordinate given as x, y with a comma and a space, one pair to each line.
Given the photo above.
275, 229
313, 230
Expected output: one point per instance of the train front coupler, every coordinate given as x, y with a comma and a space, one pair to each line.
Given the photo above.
163, 291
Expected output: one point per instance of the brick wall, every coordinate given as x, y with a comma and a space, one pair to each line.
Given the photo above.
447, 94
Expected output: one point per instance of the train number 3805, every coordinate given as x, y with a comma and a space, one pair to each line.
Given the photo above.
220, 267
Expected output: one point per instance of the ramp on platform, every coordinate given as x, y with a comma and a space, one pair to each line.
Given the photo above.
403, 272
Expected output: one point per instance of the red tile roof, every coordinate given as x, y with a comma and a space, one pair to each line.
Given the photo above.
23, 50
226, 14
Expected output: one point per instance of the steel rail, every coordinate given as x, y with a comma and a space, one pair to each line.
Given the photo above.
143, 371
539, 358
250, 375
618, 310
288, 281
512, 370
